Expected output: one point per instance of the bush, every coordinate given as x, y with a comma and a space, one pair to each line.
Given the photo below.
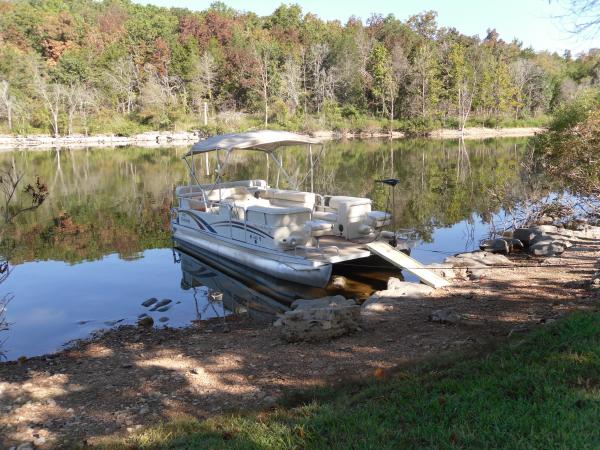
418, 126
119, 125
569, 148
576, 111
350, 112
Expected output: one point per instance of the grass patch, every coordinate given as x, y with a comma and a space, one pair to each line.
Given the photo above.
541, 391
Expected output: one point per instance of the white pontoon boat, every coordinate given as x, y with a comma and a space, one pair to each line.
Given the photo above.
287, 233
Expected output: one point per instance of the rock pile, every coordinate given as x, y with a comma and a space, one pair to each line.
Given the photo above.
539, 240
318, 319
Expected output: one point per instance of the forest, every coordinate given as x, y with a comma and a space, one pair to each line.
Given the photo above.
114, 66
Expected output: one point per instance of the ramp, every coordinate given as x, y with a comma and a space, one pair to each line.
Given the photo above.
403, 261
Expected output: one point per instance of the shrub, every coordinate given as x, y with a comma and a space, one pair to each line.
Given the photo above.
569, 148
571, 113
350, 112
418, 126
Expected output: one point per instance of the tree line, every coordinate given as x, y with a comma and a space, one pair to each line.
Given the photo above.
85, 66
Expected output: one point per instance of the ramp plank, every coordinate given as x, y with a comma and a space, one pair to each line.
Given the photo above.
403, 261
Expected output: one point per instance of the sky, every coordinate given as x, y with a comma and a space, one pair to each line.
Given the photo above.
534, 22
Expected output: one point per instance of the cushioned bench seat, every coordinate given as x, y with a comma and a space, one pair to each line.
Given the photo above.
285, 197
328, 216
318, 228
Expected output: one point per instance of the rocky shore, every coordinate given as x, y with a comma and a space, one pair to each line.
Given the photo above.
150, 139
161, 139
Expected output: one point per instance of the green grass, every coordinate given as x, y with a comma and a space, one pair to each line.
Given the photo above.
541, 391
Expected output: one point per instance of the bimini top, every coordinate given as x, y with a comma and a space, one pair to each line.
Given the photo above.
265, 140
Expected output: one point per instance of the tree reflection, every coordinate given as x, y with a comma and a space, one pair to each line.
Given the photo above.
110, 201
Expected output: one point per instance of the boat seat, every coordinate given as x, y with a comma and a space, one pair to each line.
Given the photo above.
235, 193
342, 201
328, 216
317, 228
241, 203
198, 205
379, 219
289, 198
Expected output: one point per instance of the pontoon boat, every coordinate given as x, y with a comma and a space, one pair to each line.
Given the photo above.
290, 234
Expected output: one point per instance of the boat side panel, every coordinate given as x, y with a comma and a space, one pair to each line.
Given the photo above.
299, 271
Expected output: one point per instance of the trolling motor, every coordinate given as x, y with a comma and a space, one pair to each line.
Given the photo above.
391, 182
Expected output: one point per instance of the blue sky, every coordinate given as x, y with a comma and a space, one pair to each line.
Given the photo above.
534, 22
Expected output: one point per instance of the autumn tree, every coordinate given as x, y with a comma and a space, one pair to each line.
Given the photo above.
142, 65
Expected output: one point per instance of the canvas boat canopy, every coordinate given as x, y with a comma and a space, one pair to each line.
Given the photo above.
266, 140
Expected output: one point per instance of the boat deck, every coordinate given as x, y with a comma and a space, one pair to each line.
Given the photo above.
333, 249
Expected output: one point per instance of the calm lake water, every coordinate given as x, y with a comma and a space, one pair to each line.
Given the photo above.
100, 245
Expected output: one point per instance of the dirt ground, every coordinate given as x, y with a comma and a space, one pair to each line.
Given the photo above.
130, 376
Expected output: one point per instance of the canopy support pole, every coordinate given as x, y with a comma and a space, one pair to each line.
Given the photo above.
193, 175
285, 174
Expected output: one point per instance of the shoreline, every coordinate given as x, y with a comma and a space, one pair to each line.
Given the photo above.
162, 138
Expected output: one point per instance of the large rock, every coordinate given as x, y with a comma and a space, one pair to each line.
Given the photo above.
379, 305
398, 288
585, 232
525, 235
160, 304
547, 248
503, 245
495, 246
319, 319
514, 244
477, 264
145, 321
446, 316
541, 238
392, 298
149, 302
487, 258
541, 229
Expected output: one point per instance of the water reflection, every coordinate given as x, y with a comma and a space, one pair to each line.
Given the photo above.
223, 287
261, 297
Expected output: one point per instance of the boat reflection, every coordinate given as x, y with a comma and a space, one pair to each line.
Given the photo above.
216, 284
225, 288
